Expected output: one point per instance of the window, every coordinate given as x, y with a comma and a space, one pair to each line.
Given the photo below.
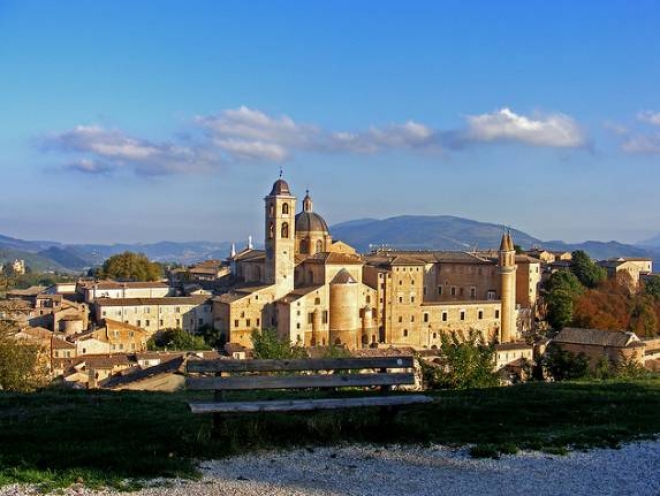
319, 246
285, 230
400, 299
178, 322
161, 323
480, 314
412, 299
368, 299
271, 209
310, 318
285, 209
435, 335
462, 314
325, 316
304, 246
400, 318
490, 295
453, 290
248, 322
497, 314
412, 318
439, 290
201, 322
271, 230
235, 323
405, 333
426, 317
258, 322
317, 301
298, 325
473, 292
177, 309
460, 291
139, 323
444, 316
147, 323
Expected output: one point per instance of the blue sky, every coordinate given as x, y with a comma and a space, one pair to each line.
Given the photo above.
126, 121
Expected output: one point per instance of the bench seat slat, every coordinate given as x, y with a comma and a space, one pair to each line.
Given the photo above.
247, 382
306, 405
220, 365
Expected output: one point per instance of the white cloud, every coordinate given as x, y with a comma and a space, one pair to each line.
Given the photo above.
644, 143
554, 130
249, 135
105, 150
649, 117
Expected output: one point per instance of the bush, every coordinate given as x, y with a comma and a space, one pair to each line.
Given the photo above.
176, 340
267, 344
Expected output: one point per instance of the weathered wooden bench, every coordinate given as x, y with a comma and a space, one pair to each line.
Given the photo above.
368, 374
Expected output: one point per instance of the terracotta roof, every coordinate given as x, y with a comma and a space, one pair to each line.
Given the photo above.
513, 346
107, 361
343, 277
128, 285
597, 337
250, 255
333, 258
61, 344
164, 301
115, 324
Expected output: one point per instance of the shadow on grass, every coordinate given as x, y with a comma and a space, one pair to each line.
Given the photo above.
59, 437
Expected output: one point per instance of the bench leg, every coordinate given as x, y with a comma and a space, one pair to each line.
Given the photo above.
220, 428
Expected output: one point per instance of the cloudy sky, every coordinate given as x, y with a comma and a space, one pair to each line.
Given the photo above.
125, 121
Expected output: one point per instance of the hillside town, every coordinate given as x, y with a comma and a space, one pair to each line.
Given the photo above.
317, 292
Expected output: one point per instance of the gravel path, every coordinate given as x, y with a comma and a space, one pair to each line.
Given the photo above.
377, 471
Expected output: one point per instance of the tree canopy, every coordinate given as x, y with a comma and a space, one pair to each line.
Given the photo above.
129, 266
267, 344
176, 340
589, 274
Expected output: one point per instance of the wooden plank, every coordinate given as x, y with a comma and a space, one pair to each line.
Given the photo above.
249, 382
219, 365
307, 405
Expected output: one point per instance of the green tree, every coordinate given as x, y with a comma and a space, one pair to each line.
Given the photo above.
560, 307
267, 344
20, 366
176, 340
564, 365
589, 274
651, 287
129, 266
468, 362
213, 337
566, 281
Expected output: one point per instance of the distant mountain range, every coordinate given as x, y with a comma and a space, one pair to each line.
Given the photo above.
409, 232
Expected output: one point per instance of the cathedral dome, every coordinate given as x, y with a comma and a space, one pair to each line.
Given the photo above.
308, 220
280, 187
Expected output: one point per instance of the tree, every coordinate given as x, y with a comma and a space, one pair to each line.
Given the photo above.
213, 337
267, 344
589, 274
129, 266
176, 339
560, 309
564, 365
566, 281
468, 362
651, 287
21, 368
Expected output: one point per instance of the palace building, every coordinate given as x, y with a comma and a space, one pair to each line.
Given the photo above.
318, 291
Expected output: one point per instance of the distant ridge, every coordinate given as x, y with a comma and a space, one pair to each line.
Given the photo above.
405, 232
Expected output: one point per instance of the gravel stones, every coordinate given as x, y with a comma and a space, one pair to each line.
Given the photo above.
435, 470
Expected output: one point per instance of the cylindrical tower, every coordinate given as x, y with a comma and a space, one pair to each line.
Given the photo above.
344, 310
507, 270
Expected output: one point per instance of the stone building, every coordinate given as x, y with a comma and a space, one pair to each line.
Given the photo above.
318, 291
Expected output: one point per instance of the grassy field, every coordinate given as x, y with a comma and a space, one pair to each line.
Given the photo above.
56, 437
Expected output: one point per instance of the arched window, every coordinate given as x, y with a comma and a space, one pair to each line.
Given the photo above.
271, 230
285, 209
319, 246
304, 246
285, 230
271, 209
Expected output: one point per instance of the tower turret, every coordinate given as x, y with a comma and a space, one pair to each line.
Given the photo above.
507, 269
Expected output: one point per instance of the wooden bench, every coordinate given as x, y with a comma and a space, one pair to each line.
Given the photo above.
328, 374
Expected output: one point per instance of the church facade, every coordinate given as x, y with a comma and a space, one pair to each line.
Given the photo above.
317, 291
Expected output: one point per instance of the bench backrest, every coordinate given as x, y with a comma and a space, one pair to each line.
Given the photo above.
346, 372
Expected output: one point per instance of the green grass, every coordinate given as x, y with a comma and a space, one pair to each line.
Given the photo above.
60, 437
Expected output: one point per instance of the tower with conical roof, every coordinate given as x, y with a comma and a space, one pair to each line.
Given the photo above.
280, 207
507, 269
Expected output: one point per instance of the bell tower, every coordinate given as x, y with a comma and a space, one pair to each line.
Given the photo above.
280, 208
